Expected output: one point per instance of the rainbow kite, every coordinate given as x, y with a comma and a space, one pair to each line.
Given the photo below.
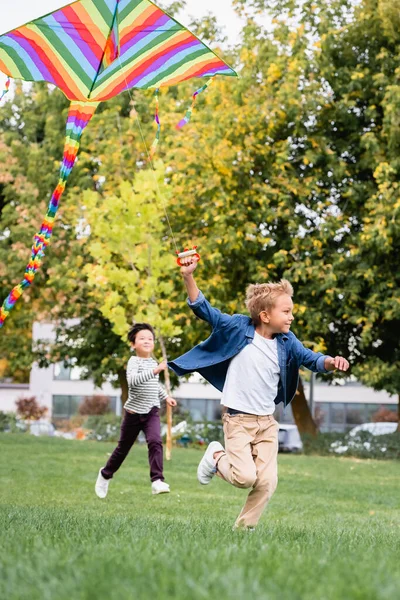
93, 50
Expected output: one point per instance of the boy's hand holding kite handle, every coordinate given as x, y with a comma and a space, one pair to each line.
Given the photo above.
188, 266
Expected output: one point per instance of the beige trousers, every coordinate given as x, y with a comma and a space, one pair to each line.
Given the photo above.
250, 461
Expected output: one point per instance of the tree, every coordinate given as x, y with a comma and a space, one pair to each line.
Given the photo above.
296, 177
131, 260
346, 147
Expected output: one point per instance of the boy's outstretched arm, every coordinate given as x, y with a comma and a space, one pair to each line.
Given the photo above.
320, 363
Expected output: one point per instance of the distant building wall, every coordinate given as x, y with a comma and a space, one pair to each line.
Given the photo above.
9, 393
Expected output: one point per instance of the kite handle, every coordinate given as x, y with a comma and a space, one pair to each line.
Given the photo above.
193, 252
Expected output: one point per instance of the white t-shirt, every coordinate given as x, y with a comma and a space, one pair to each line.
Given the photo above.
252, 379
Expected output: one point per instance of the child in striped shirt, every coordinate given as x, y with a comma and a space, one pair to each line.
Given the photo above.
142, 412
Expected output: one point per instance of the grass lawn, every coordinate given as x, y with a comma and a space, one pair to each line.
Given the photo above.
332, 530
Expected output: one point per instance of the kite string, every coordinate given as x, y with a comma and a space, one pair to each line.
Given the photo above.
150, 159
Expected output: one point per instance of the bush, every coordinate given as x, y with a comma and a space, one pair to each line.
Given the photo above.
103, 428
321, 444
204, 433
95, 405
362, 445
10, 424
179, 414
29, 409
71, 424
384, 415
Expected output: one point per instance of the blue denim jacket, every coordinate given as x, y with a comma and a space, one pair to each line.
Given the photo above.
230, 334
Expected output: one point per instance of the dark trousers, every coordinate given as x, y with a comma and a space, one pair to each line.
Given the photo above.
132, 425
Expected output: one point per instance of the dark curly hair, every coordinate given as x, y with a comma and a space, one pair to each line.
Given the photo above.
139, 327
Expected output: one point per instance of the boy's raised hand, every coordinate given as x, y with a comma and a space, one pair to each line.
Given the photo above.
189, 264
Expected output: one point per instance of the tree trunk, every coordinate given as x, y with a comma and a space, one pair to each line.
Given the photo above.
398, 427
301, 412
124, 386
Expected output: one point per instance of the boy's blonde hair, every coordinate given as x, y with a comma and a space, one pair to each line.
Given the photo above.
262, 296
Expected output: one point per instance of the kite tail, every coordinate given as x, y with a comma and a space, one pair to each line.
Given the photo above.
154, 145
79, 116
6, 88
188, 115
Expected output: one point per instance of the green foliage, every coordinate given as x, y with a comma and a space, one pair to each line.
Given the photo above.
9, 423
103, 428
363, 445
321, 445
131, 258
204, 433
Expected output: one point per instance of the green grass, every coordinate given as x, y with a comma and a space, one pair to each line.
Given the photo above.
331, 531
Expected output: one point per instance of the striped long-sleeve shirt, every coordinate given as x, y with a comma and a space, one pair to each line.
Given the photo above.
145, 391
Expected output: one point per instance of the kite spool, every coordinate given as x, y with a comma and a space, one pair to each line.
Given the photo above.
187, 253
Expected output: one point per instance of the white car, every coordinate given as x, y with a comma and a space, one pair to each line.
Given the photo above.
374, 428
289, 439
41, 427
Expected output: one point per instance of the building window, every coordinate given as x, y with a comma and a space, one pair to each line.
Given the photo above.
371, 409
355, 414
202, 409
69, 373
321, 416
65, 406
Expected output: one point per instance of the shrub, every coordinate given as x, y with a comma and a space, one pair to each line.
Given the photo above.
29, 409
71, 424
321, 444
95, 405
384, 415
103, 428
204, 433
10, 424
362, 445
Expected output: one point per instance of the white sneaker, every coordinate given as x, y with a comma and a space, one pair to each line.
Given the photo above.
101, 487
206, 469
159, 487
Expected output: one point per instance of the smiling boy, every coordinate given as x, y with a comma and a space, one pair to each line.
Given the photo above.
255, 362
142, 411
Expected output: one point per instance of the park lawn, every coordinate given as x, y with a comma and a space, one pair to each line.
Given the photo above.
331, 531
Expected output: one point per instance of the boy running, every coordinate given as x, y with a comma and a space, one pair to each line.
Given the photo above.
255, 363
142, 412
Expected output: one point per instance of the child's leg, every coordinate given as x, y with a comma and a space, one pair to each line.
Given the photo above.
265, 454
237, 465
130, 429
152, 430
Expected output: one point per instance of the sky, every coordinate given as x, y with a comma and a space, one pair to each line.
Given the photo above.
18, 12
